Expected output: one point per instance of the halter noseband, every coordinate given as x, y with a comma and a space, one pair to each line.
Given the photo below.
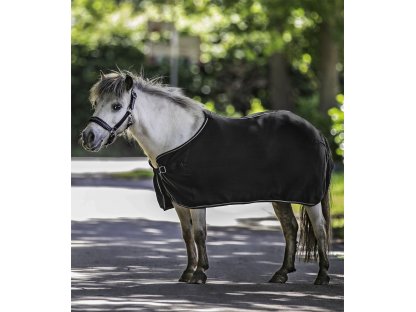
113, 130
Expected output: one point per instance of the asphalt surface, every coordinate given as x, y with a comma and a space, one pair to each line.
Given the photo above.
127, 255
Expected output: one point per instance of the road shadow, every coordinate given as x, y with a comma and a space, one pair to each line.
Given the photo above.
134, 264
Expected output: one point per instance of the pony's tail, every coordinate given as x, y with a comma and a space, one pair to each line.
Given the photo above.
308, 244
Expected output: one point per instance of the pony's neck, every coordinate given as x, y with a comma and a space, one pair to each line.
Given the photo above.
161, 125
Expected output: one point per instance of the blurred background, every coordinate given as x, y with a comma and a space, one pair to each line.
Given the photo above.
236, 57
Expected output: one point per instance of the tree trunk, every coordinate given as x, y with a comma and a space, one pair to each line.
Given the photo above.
279, 83
327, 73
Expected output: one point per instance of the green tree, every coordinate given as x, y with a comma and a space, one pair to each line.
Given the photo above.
255, 54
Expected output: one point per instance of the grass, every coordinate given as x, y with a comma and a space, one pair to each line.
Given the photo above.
139, 174
337, 192
337, 209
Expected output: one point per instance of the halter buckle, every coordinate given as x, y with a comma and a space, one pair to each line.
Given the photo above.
129, 121
162, 169
110, 138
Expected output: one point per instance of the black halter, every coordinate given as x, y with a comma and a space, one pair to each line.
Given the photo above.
113, 130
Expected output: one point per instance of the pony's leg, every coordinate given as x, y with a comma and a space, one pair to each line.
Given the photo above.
199, 226
318, 224
289, 225
184, 215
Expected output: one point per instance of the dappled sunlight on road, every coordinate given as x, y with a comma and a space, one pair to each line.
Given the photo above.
134, 264
112, 288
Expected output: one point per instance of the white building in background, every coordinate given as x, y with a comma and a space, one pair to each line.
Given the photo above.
187, 47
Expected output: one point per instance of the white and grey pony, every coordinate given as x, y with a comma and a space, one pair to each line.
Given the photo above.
163, 119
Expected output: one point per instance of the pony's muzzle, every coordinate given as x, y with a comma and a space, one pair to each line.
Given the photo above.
90, 139
88, 136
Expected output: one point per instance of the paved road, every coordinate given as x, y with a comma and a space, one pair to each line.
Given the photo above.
94, 165
127, 255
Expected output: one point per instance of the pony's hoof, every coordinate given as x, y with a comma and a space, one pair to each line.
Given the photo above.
322, 280
279, 278
198, 277
186, 276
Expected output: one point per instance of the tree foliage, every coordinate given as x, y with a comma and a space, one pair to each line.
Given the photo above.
237, 40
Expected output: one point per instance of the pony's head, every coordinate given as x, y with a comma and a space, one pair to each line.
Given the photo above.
112, 99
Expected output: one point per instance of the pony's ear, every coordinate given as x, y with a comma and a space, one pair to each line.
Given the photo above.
101, 75
129, 82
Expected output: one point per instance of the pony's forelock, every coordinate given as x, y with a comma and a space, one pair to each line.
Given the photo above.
114, 83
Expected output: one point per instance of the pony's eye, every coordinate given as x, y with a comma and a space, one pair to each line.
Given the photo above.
116, 107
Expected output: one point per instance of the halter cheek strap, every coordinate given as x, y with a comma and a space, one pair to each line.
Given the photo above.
114, 129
